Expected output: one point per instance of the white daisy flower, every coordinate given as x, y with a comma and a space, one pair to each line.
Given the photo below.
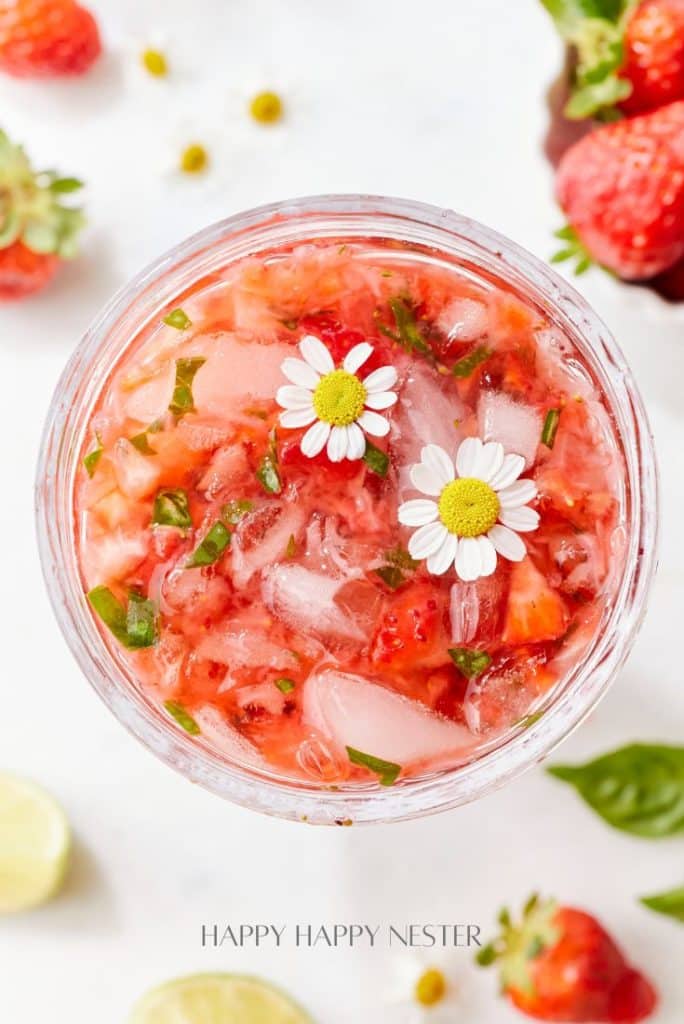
422, 989
337, 405
480, 507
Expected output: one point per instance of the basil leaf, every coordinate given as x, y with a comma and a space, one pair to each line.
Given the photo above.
670, 903
285, 685
388, 771
171, 509
233, 511
637, 789
211, 548
62, 186
92, 458
180, 715
376, 460
550, 428
267, 473
135, 627
391, 576
291, 549
179, 319
401, 558
464, 367
407, 334
182, 400
470, 663
141, 442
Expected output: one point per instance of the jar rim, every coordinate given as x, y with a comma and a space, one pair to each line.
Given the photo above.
296, 221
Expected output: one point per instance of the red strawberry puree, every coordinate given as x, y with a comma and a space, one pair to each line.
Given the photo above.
348, 515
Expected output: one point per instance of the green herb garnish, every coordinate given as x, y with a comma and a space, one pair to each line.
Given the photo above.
267, 473
391, 576
550, 428
470, 663
92, 458
182, 400
527, 721
141, 442
291, 549
387, 771
670, 903
180, 715
285, 685
233, 511
211, 548
638, 788
179, 319
171, 509
134, 627
401, 558
376, 460
407, 333
464, 367
64, 186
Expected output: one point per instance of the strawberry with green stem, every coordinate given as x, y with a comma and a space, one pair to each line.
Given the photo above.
38, 230
560, 964
47, 38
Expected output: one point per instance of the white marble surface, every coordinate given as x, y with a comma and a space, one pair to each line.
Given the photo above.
443, 102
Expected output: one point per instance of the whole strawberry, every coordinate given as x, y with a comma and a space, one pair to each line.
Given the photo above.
622, 189
37, 230
654, 55
560, 964
47, 38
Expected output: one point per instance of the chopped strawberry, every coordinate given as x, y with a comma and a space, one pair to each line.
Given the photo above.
411, 632
292, 458
654, 56
560, 964
535, 612
340, 339
45, 38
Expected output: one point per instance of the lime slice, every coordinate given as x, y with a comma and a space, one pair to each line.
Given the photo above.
217, 999
35, 842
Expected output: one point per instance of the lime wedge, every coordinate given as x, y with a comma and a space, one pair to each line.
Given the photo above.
35, 842
217, 999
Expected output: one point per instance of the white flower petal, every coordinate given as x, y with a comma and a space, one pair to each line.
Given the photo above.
507, 543
357, 356
468, 562
373, 423
290, 396
427, 540
488, 556
467, 456
522, 519
380, 380
489, 461
513, 466
356, 442
299, 372
338, 444
443, 559
315, 439
418, 512
425, 479
437, 460
316, 354
298, 417
381, 400
519, 493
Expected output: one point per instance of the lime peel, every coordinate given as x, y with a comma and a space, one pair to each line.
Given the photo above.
217, 999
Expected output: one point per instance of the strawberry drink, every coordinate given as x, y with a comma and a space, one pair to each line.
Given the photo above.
348, 516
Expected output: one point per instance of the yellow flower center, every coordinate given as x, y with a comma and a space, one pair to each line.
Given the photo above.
430, 987
339, 398
266, 107
468, 507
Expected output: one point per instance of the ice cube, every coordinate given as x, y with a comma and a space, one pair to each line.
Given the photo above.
218, 733
237, 369
517, 427
113, 556
427, 412
226, 467
137, 475
558, 367
348, 710
203, 433
306, 600
262, 538
464, 320
241, 645
150, 399
476, 609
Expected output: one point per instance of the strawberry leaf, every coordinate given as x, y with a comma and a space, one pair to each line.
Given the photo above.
669, 903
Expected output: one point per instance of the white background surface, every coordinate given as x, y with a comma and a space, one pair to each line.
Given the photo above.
440, 101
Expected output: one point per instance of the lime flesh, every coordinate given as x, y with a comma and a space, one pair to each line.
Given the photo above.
35, 844
217, 999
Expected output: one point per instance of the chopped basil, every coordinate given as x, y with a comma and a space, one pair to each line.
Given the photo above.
375, 459
179, 319
171, 509
285, 685
92, 458
550, 428
134, 627
291, 549
233, 511
407, 333
638, 788
387, 771
391, 576
180, 715
63, 186
470, 663
527, 721
267, 473
140, 442
670, 903
182, 400
211, 548
464, 367
401, 558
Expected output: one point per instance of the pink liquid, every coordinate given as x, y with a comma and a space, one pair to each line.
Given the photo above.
310, 631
